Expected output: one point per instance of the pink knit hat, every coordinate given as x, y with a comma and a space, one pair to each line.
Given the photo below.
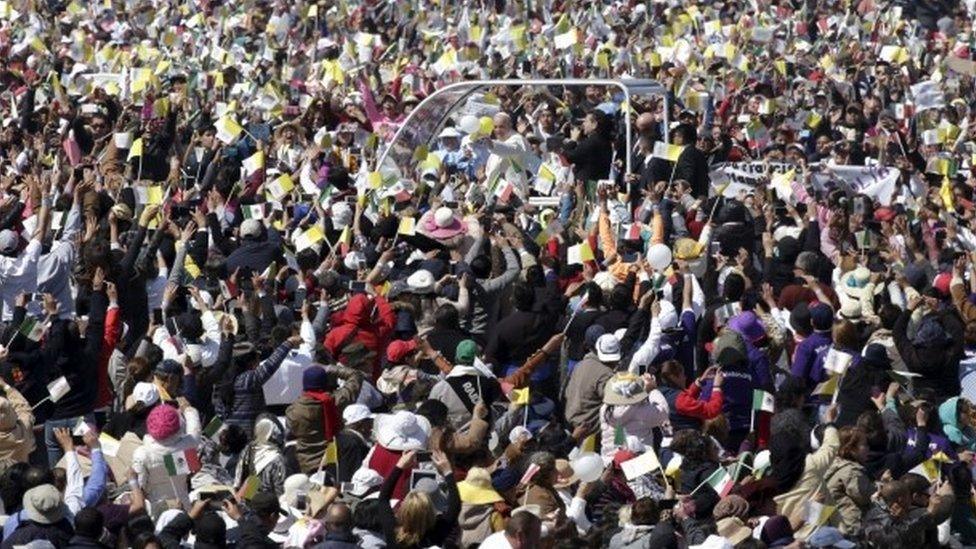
163, 422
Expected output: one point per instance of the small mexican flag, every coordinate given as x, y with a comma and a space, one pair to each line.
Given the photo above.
182, 463
33, 329
763, 401
720, 481
213, 428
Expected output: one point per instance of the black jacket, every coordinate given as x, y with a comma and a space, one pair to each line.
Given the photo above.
591, 157
255, 255
78, 361
59, 533
253, 535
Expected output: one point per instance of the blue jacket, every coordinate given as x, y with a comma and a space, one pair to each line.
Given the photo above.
249, 391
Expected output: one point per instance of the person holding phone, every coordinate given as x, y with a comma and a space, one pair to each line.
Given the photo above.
415, 523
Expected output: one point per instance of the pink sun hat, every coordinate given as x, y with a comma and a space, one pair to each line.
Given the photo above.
443, 224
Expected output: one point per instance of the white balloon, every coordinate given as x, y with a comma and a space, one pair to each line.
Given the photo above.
469, 124
588, 466
659, 256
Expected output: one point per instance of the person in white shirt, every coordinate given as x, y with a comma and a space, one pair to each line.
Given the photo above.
510, 155
18, 272
522, 531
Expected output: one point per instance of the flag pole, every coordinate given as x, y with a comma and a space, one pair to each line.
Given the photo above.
42, 401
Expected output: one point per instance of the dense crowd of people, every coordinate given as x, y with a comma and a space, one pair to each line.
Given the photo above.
235, 313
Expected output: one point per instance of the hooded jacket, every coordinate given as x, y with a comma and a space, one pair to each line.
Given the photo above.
850, 488
355, 324
959, 435
305, 420
461, 389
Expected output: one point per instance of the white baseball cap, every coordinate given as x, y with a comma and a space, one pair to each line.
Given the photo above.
355, 413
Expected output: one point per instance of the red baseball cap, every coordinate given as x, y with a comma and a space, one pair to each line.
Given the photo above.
400, 350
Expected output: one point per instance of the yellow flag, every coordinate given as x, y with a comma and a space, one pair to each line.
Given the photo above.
135, 150
589, 444
251, 486
374, 180
945, 192
586, 253
154, 195
520, 396
228, 129
331, 453
191, 268
666, 151
408, 226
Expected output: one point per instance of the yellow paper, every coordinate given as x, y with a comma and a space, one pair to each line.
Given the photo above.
408, 226
154, 195
520, 396
135, 150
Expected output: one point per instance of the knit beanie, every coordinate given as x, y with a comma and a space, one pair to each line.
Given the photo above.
163, 422
314, 379
731, 506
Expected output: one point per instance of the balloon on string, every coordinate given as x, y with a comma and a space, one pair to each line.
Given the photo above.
486, 125
469, 124
659, 256
588, 466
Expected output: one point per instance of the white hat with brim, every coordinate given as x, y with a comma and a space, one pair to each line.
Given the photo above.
608, 348
401, 431
43, 504
623, 389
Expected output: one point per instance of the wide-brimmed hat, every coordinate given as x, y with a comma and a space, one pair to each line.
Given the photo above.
476, 488
401, 431
442, 224
392, 380
420, 282
43, 504
624, 388
608, 348
565, 474
854, 283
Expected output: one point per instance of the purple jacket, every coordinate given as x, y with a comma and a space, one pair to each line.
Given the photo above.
808, 359
737, 389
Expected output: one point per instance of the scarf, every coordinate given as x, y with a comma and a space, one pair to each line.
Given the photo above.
330, 414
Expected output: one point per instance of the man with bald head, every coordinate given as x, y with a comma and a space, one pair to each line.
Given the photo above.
338, 528
510, 155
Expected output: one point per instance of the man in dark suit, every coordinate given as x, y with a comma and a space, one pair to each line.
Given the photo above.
691, 166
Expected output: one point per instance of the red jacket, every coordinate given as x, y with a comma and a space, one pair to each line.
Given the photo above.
110, 338
366, 320
689, 405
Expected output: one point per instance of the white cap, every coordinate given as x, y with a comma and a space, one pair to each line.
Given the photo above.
145, 393
355, 413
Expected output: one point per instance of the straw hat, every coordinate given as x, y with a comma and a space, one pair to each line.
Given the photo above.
476, 488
